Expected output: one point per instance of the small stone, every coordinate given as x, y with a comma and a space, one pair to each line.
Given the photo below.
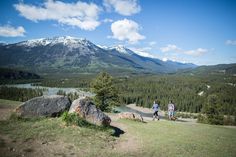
44, 142
130, 115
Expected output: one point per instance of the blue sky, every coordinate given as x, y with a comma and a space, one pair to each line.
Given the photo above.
197, 31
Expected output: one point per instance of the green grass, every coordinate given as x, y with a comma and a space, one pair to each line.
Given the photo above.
87, 140
159, 138
162, 138
8, 103
165, 138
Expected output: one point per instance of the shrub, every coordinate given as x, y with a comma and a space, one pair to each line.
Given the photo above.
74, 119
212, 110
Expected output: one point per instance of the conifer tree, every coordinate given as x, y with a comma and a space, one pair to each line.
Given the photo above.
106, 94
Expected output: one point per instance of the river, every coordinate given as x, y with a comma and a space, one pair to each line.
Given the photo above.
52, 90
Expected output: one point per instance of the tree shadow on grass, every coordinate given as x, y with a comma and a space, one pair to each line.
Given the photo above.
117, 132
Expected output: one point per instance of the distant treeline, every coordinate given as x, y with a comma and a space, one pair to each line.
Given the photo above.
78, 82
19, 94
15, 76
72, 95
182, 90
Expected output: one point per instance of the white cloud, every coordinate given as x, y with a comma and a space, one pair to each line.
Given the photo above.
123, 7
126, 30
152, 43
9, 31
107, 20
169, 47
173, 48
81, 14
197, 52
230, 42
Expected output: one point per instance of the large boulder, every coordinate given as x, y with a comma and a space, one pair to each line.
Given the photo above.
130, 115
85, 108
47, 106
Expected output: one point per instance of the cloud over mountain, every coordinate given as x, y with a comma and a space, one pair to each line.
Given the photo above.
195, 52
126, 30
169, 47
123, 7
10, 31
81, 14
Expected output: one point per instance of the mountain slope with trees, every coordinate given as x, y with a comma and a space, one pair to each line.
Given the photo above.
74, 55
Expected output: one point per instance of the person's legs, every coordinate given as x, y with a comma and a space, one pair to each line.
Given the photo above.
169, 115
172, 114
155, 115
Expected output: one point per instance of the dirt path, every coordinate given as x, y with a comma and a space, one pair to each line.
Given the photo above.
5, 113
126, 142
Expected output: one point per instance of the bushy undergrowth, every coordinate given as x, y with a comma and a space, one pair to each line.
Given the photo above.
186, 115
74, 119
217, 120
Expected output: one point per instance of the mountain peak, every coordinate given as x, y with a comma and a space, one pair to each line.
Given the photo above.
65, 40
71, 54
122, 49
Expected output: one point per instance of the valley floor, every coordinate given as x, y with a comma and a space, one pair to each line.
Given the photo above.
50, 137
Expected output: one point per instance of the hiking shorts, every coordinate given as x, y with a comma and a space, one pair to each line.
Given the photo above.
155, 113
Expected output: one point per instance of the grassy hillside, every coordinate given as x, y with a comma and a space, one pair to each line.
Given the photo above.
50, 137
165, 138
6, 107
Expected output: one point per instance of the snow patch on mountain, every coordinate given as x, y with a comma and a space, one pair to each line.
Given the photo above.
70, 42
122, 49
164, 59
103, 47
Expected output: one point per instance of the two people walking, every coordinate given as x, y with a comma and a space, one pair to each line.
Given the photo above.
171, 109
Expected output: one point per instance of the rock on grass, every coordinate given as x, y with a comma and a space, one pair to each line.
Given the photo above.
44, 106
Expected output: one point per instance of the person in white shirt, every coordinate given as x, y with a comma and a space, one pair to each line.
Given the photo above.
171, 109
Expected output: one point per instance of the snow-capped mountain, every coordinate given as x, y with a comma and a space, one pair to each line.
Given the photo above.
79, 55
118, 48
122, 49
65, 40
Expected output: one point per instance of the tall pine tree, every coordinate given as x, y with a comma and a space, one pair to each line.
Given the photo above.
106, 94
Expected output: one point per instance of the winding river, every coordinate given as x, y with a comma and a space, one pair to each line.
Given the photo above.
52, 90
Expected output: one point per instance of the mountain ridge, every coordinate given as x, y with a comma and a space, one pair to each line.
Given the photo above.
72, 54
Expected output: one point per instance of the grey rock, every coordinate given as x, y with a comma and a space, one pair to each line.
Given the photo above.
130, 115
46, 106
85, 108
